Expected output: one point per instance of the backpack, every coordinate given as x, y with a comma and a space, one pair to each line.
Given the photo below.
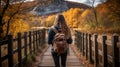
59, 42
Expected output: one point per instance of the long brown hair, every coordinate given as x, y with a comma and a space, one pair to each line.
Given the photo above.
60, 21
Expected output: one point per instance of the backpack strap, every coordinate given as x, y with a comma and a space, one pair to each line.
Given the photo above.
54, 29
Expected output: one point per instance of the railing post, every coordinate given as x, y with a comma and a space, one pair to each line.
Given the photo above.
30, 42
86, 46
44, 35
75, 39
90, 48
115, 51
83, 44
104, 51
25, 44
37, 40
0, 57
39, 37
96, 51
34, 42
10, 51
19, 50
80, 41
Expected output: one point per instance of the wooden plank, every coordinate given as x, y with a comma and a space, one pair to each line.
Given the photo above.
75, 66
72, 60
68, 64
54, 66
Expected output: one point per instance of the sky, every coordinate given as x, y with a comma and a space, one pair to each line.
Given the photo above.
28, 0
88, 2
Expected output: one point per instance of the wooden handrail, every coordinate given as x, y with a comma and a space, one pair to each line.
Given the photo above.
31, 40
90, 46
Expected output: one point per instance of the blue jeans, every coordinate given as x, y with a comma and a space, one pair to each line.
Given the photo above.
57, 57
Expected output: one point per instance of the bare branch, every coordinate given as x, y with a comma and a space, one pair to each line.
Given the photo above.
3, 12
95, 13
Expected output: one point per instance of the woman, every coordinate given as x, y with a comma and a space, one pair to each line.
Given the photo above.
59, 25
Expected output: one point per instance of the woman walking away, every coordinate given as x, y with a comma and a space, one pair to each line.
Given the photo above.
59, 38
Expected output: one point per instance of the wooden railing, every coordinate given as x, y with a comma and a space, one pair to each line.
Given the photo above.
102, 50
24, 45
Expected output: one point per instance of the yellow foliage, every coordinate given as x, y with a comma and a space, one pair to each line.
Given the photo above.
18, 25
86, 12
50, 21
6, 18
72, 16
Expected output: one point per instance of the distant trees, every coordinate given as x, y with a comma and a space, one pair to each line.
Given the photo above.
88, 19
72, 16
103, 18
50, 21
113, 6
107, 15
114, 15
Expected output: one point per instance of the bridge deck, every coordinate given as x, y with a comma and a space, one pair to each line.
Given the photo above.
72, 60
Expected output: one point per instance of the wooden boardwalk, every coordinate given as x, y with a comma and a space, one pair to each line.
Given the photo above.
72, 60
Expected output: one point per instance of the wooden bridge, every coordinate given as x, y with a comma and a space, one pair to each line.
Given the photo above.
99, 50
72, 60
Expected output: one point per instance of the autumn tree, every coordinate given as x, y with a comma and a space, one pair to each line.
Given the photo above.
12, 10
114, 16
88, 19
8, 9
72, 16
50, 21
113, 6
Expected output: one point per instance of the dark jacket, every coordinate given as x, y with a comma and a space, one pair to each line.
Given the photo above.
51, 35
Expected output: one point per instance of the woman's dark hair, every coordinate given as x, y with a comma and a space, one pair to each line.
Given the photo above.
61, 18
60, 21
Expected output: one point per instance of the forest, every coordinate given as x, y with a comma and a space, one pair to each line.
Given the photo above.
105, 18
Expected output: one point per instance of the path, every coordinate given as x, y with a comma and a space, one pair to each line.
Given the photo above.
72, 60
